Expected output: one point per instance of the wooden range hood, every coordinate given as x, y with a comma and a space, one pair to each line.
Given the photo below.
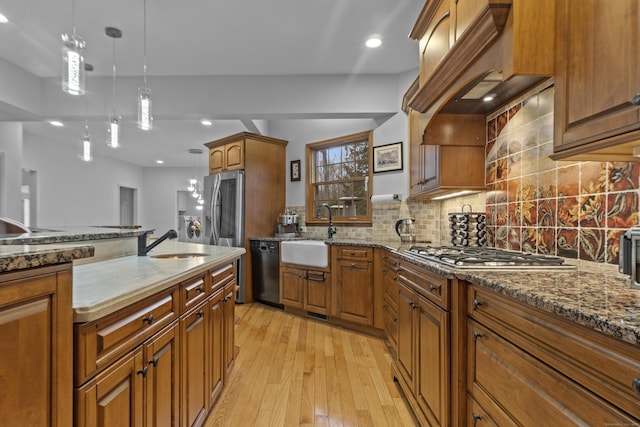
507, 40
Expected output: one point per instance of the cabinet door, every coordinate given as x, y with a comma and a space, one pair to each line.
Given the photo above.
355, 291
406, 333
216, 346
115, 396
234, 155
598, 70
35, 366
229, 313
436, 42
216, 159
193, 337
317, 292
161, 356
432, 374
291, 287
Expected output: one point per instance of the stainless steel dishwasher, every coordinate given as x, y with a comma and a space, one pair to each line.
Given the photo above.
265, 271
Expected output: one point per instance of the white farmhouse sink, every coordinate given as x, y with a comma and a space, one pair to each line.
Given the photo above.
312, 253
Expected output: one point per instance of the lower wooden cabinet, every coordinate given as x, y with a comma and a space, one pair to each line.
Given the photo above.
169, 378
36, 347
352, 270
309, 290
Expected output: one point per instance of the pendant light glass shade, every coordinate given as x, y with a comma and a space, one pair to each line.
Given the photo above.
144, 108
86, 145
73, 73
113, 132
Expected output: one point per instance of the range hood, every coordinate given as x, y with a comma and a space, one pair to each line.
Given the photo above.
505, 50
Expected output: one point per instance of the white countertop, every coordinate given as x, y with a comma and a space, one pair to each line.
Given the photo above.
104, 287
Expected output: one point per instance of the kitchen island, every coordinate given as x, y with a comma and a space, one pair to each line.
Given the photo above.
72, 325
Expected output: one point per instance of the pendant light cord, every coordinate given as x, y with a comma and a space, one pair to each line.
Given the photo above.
73, 16
114, 76
144, 40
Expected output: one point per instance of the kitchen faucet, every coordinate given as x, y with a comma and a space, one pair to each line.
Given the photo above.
142, 241
332, 228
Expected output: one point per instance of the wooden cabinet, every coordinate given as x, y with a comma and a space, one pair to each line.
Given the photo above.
160, 361
423, 363
525, 367
389, 271
264, 162
353, 296
597, 93
226, 157
309, 290
35, 349
115, 396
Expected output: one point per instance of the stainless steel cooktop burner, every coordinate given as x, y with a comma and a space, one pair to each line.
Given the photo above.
486, 258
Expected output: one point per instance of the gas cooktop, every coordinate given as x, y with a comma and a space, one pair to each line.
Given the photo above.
486, 258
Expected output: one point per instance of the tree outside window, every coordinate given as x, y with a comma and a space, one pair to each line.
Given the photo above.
339, 174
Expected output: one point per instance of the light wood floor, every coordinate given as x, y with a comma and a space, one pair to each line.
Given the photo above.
299, 371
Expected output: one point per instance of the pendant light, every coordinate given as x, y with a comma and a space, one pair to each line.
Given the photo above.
85, 138
144, 93
113, 127
73, 72
194, 182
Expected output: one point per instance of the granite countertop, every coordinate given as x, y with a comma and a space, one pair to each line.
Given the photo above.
19, 257
594, 295
64, 234
104, 287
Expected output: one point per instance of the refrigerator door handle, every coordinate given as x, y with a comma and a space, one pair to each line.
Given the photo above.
215, 212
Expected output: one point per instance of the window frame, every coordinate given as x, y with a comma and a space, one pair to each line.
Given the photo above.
311, 148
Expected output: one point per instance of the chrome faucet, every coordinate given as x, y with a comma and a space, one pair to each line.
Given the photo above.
143, 249
332, 228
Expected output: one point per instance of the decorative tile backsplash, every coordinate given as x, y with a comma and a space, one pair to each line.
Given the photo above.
533, 204
571, 209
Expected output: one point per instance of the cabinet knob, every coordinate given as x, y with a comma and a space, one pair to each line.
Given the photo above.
432, 288
352, 253
353, 265
200, 289
413, 304
476, 335
635, 385
395, 319
143, 371
154, 361
199, 313
475, 417
148, 319
476, 304
636, 99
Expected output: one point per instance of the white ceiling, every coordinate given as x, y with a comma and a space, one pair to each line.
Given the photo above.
211, 37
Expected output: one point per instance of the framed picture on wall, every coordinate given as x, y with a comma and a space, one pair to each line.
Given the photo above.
387, 158
295, 170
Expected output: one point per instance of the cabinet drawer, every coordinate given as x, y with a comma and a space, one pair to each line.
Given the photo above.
527, 390
602, 364
222, 276
391, 325
391, 299
432, 286
193, 292
99, 343
355, 253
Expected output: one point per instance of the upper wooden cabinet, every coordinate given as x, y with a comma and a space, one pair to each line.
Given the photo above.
226, 157
597, 80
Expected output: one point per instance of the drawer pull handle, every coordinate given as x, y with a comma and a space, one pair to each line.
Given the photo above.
384, 306
476, 335
154, 361
395, 319
475, 417
636, 99
200, 289
148, 319
143, 371
352, 253
476, 304
413, 304
432, 288
635, 385
199, 313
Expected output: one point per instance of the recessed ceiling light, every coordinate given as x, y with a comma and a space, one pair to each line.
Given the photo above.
373, 42
488, 98
56, 123
206, 122
160, 162
3, 19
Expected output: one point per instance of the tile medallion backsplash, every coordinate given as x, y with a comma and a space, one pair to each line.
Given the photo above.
534, 204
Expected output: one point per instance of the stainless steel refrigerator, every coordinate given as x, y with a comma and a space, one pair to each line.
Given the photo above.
224, 215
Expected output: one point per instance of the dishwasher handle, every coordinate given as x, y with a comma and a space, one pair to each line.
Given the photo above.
314, 277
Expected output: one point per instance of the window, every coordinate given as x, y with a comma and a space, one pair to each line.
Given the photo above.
339, 174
